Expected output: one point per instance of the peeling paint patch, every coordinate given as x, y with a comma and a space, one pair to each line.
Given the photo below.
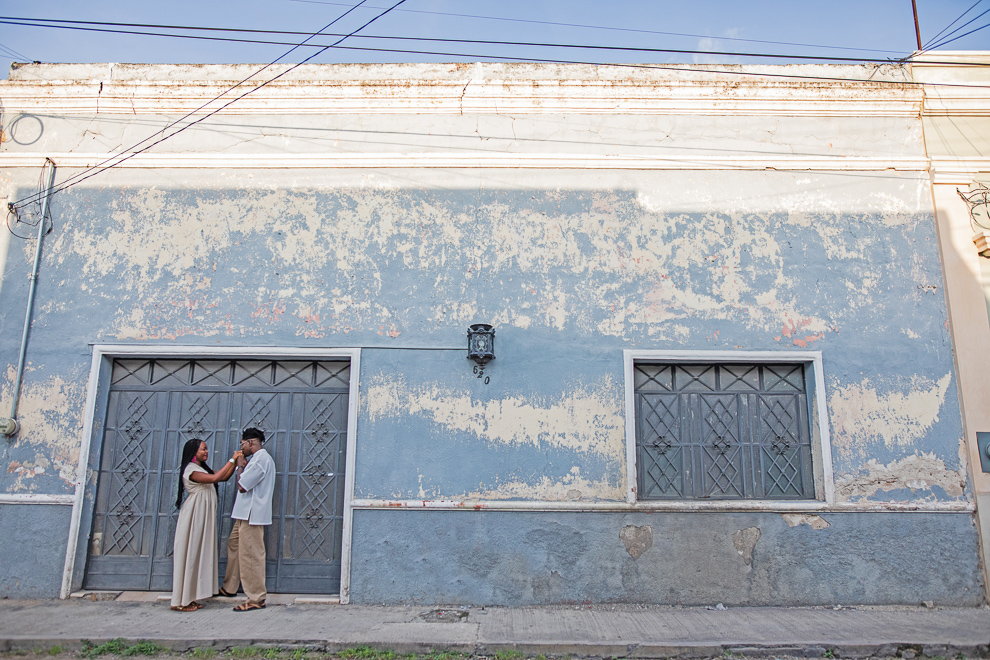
898, 417
809, 519
584, 419
636, 539
50, 430
571, 487
916, 472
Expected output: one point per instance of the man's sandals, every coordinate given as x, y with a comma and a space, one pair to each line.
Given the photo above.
247, 607
225, 594
191, 607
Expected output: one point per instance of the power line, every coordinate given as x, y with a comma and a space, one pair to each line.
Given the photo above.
96, 169
14, 53
531, 44
71, 179
958, 18
964, 34
617, 29
634, 49
684, 68
946, 39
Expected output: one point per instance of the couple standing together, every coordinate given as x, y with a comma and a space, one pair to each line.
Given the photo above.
195, 562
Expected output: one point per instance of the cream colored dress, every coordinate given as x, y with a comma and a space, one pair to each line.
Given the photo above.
195, 564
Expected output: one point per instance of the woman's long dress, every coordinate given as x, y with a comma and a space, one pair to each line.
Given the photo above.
195, 564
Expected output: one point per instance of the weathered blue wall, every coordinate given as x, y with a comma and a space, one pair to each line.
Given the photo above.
33, 543
571, 267
487, 557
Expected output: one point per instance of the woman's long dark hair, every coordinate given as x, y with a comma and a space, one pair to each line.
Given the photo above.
188, 454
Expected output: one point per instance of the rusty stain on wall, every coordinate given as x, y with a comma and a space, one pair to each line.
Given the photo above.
916, 472
897, 415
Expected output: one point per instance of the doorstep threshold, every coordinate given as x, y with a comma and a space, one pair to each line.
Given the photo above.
159, 596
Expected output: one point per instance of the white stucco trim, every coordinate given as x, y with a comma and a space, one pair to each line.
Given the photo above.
108, 351
85, 444
349, 463
821, 440
477, 160
36, 498
482, 88
958, 171
775, 506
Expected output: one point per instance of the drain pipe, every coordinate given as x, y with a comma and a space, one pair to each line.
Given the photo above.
9, 426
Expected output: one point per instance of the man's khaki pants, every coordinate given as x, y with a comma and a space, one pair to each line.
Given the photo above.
246, 561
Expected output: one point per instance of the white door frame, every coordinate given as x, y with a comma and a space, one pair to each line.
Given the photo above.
102, 352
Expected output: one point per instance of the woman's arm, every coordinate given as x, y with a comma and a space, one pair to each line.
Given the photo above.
222, 474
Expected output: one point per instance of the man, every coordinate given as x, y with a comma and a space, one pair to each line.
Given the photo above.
252, 512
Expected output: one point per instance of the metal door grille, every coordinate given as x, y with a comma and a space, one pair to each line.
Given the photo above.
154, 406
729, 431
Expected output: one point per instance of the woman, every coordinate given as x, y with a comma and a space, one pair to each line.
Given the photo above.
195, 563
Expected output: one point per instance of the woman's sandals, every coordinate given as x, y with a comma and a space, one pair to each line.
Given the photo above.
191, 607
247, 607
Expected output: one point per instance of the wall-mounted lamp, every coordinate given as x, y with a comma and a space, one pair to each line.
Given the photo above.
978, 200
481, 343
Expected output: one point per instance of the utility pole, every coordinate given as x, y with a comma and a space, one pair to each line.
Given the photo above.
917, 28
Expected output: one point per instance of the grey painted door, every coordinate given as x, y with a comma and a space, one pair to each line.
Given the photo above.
155, 406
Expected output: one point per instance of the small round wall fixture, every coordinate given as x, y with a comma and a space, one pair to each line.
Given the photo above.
481, 343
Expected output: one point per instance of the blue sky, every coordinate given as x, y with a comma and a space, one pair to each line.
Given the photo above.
839, 28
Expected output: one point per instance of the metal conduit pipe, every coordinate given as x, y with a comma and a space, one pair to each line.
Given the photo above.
9, 426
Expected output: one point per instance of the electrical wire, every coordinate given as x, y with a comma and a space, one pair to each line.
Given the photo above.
636, 49
123, 156
616, 29
94, 170
15, 54
71, 179
965, 34
11, 210
946, 39
958, 18
672, 51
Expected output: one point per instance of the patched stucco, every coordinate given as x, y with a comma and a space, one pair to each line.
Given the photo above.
919, 473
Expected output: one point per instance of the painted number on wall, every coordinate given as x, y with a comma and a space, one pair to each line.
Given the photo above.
480, 373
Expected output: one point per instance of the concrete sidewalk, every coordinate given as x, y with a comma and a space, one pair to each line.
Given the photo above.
600, 630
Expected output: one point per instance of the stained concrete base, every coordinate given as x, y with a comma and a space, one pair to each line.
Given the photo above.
601, 630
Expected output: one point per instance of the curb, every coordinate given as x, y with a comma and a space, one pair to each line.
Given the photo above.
906, 651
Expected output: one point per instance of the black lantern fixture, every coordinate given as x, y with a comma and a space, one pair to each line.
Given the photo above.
481, 343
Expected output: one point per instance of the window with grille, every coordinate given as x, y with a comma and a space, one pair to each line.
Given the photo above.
723, 431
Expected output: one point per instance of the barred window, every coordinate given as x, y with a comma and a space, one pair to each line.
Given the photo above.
723, 431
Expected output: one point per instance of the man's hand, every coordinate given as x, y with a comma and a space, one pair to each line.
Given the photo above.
239, 459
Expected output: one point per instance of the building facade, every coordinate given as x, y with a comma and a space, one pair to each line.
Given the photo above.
723, 372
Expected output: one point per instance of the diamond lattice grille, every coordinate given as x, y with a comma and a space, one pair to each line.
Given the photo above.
736, 431
155, 406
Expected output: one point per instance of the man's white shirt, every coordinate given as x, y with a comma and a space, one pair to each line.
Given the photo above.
258, 479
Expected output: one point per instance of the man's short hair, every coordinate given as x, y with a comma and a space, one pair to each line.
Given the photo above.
253, 434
